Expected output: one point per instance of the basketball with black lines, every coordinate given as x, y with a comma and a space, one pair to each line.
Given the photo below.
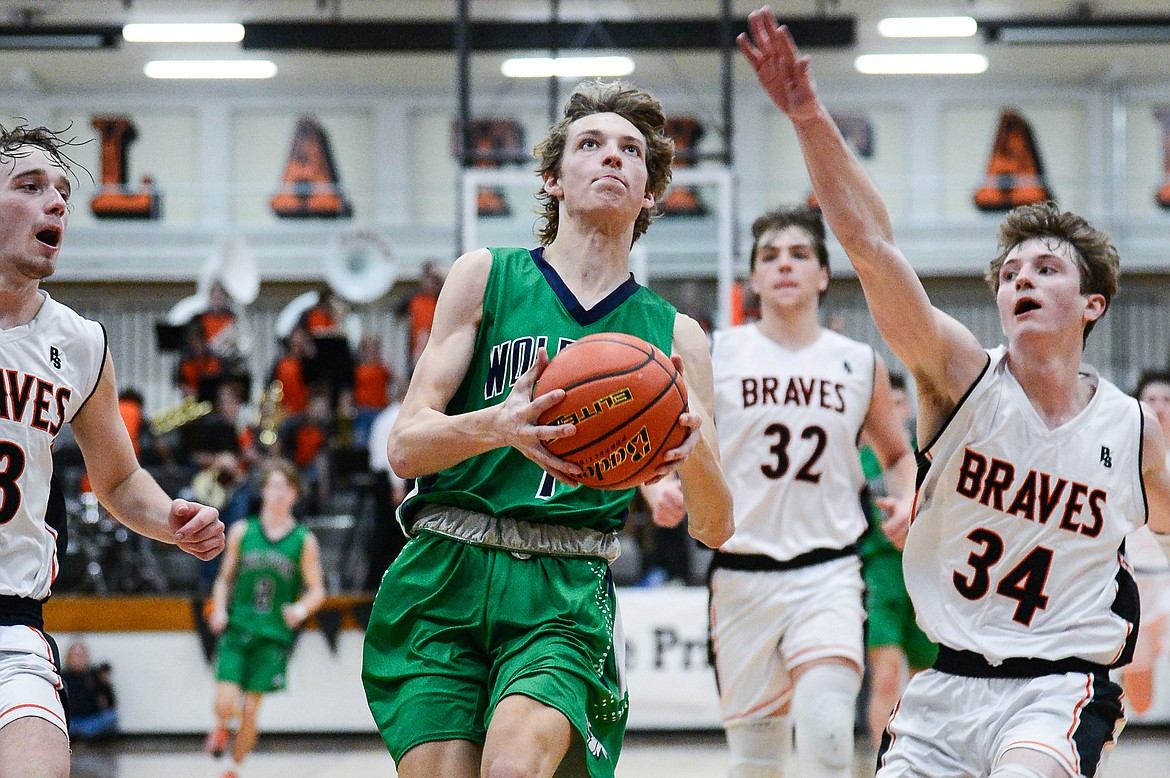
625, 398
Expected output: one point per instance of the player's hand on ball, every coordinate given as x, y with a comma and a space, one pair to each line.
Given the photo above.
197, 529
518, 423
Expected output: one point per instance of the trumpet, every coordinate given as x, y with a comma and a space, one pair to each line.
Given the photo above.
170, 419
272, 413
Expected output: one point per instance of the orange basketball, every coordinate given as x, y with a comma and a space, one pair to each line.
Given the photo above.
625, 397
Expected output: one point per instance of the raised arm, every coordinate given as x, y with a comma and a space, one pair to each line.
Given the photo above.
705, 492
943, 355
128, 491
425, 439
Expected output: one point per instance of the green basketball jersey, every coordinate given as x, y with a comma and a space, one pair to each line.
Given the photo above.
268, 577
526, 305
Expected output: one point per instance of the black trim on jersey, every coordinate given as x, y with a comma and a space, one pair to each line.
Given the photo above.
101, 369
1097, 723
1127, 605
760, 563
969, 664
56, 514
569, 300
921, 455
20, 611
1141, 448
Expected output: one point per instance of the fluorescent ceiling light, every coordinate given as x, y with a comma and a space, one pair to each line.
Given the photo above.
927, 27
183, 33
566, 67
251, 68
921, 64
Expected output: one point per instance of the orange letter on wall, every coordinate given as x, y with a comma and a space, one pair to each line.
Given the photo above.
310, 182
1163, 115
114, 199
494, 142
686, 134
1015, 174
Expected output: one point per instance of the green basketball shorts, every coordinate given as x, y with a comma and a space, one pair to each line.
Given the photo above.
457, 627
891, 614
252, 662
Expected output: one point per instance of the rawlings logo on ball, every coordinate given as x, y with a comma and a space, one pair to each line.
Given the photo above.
634, 449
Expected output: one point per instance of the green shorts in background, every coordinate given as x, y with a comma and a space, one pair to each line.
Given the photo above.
891, 614
457, 627
254, 663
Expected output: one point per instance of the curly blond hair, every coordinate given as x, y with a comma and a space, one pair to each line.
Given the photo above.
637, 106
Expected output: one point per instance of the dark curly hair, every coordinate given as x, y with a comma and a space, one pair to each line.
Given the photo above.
11, 140
641, 109
808, 219
1097, 259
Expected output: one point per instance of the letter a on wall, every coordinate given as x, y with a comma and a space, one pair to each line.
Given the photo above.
114, 199
310, 188
686, 134
1162, 113
1015, 173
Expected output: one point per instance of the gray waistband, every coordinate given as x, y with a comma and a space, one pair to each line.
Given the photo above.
526, 537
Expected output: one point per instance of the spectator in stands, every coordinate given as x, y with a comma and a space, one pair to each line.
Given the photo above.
372, 382
93, 712
222, 329
304, 438
296, 371
200, 369
326, 318
387, 539
419, 308
333, 359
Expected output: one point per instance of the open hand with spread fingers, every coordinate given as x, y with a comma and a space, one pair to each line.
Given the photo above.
782, 70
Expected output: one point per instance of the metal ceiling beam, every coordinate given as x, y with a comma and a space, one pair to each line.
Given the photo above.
1032, 30
488, 36
73, 36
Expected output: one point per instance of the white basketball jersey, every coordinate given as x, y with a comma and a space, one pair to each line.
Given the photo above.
788, 423
48, 369
1014, 547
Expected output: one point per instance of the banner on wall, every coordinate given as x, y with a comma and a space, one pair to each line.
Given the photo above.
311, 187
686, 132
493, 143
671, 682
1162, 114
857, 129
1015, 172
115, 199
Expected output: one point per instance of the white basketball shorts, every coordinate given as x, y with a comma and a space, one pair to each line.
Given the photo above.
29, 682
952, 726
765, 622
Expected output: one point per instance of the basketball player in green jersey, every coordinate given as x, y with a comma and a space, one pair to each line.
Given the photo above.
495, 646
269, 583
